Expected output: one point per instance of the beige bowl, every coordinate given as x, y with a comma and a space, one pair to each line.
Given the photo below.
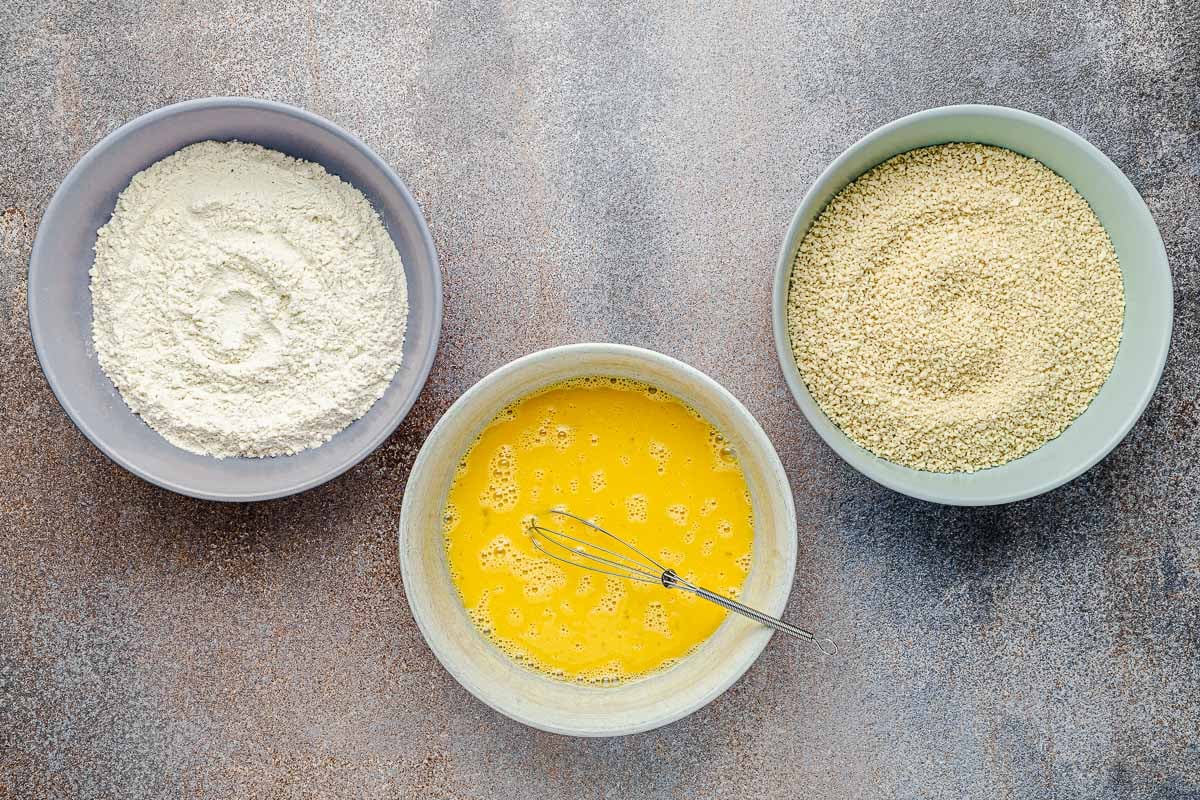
557, 706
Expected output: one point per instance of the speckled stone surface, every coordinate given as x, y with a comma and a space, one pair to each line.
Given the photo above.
601, 172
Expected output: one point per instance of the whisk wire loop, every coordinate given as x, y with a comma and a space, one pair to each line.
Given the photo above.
586, 555
615, 538
631, 569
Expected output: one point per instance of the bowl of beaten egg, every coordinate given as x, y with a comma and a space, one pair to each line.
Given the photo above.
653, 450
972, 305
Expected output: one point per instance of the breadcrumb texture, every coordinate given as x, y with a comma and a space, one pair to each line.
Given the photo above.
956, 307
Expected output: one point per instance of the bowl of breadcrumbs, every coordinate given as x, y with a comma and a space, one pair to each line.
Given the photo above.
972, 305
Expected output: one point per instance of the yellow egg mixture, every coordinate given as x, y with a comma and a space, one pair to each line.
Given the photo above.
634, 460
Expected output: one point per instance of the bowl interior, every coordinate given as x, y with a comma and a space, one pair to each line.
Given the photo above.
1147, 328
60, 306
555, 705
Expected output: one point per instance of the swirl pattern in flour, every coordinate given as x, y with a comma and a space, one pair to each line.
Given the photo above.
246, 303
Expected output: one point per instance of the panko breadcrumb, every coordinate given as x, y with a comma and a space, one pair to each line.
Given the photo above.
956, 307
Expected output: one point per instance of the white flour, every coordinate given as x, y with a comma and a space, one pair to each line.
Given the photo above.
246, 303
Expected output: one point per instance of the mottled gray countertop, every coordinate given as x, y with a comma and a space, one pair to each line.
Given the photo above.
618, 172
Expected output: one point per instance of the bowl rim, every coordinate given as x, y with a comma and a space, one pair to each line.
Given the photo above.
871, 465
736, 668
95, 153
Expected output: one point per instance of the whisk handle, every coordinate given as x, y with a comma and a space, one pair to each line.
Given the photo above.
826, 645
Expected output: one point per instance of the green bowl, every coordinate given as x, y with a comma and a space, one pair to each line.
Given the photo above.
1148, 302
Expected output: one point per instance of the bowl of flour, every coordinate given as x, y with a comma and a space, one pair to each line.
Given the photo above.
234, 298
972, 305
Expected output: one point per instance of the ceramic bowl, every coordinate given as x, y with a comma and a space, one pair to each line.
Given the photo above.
1145, 338
60, 306
558, 706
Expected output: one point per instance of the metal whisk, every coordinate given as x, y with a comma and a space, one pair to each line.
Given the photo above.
591, 556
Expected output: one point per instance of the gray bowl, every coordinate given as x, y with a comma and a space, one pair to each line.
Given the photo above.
60, 306
1148, 301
